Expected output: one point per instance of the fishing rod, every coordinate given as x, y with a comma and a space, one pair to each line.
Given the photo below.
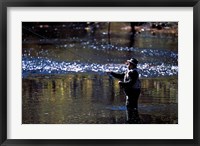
109, 25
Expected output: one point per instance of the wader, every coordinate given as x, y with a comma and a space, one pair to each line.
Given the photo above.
132, 88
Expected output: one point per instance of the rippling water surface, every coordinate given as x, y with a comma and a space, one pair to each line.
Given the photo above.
64, 78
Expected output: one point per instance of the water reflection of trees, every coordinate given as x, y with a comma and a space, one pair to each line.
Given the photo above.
83, 98
160, 90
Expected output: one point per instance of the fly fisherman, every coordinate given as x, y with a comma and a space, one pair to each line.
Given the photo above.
130, 82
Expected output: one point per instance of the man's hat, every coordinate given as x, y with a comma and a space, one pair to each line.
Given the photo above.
133, 61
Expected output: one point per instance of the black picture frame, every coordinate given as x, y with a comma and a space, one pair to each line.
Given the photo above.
4, 4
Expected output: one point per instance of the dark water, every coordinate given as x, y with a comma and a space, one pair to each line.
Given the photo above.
64, 78
83, 98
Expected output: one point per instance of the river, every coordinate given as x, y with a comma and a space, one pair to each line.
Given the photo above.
64, 79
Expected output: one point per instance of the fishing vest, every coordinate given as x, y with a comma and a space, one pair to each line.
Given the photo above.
137, 84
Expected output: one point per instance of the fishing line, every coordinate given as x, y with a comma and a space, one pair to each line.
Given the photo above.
43, 37
88, 60
33, 32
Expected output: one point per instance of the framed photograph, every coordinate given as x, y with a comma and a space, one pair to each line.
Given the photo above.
99, 72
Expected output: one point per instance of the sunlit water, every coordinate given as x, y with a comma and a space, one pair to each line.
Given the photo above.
32, 65
65, 81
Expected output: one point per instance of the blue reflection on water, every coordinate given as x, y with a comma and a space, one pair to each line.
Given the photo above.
33, 65
117, 108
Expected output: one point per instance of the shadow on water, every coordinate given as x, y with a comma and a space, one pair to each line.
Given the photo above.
64, 79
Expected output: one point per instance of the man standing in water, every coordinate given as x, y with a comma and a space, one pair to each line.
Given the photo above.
130, 82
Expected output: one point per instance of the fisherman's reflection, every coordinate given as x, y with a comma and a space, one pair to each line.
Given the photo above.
132, 40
